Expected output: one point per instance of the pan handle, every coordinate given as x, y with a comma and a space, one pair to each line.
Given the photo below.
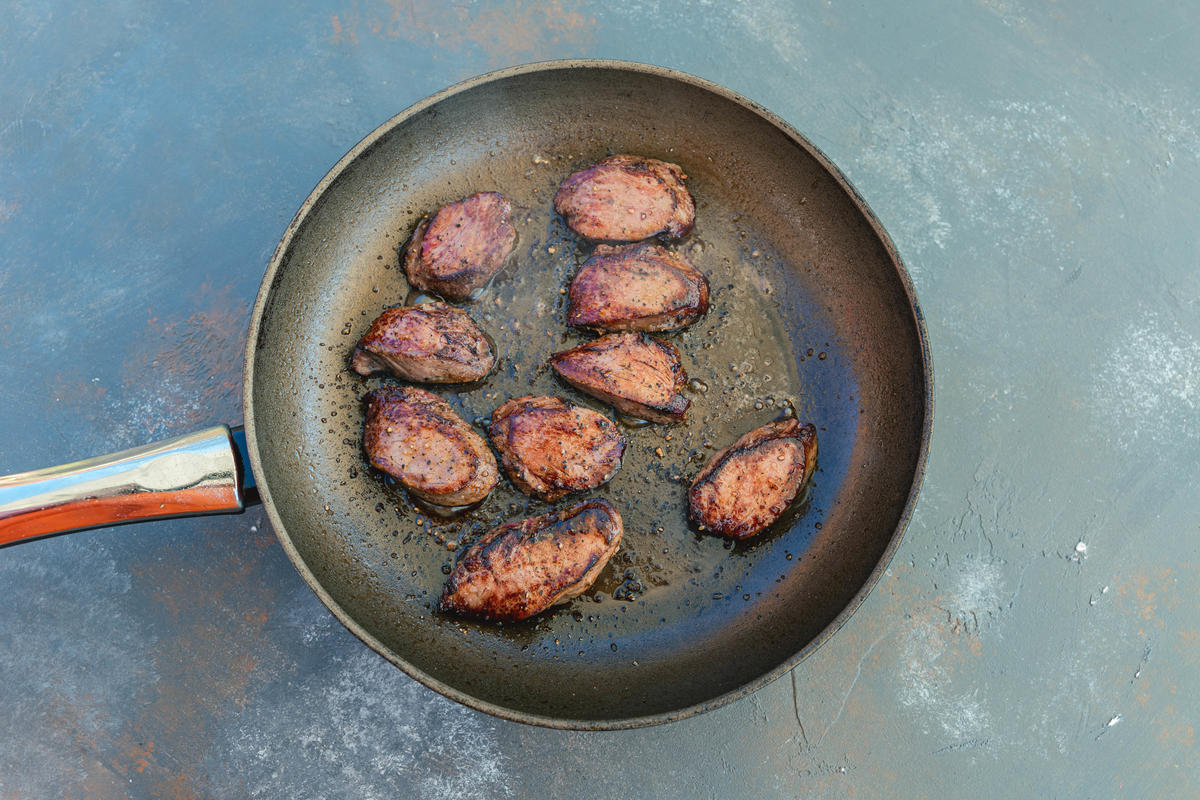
201, 473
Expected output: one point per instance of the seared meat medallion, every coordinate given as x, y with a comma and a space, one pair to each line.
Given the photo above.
522, 568
415, 436
549, 447
748, 485
638, 374
636, 287
427, 343
629, 287
457, 252
625, 199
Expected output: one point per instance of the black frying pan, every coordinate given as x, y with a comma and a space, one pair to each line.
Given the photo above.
812, 314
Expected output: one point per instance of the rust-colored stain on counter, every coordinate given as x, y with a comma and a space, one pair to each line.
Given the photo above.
186, 371
503, 32
215, 602
1146, 589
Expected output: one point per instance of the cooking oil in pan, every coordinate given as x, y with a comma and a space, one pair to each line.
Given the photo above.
743, 362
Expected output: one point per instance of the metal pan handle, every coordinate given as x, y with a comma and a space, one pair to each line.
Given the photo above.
201, 473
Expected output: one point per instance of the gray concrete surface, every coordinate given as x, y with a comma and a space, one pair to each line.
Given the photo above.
1039, 168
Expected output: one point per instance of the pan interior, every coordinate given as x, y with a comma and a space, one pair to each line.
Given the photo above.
808, 311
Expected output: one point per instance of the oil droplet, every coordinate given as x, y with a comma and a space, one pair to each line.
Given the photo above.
443, 512
820, 356
416, 297
631, 422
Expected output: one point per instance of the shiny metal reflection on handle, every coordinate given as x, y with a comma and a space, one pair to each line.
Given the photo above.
199, 473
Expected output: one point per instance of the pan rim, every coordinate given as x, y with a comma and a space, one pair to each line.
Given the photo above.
446, 690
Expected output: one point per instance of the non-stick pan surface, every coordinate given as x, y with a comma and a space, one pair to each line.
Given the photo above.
812, 314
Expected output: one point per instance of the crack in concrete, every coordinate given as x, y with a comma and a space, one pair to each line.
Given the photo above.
853, 683
796, 709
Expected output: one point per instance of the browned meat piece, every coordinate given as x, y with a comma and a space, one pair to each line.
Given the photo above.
458, 251
625, 199
522, 568
415, 436
429, 343
638, 374
636, 287
549, 447
748, 485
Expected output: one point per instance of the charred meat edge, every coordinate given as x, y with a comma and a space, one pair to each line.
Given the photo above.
463, 283
583, 314
439, 415
373, 353
598, 516
683, 214
804, 433
674, 411
501, 438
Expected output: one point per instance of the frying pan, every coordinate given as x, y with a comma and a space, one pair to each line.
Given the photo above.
813, 314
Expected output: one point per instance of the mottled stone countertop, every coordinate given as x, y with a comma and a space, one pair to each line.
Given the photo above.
1038, 633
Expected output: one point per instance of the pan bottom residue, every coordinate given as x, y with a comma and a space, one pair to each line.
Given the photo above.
758, 354
679, 616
